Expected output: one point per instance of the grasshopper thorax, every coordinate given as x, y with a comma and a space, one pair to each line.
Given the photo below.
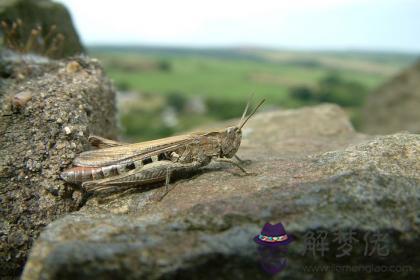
231, 141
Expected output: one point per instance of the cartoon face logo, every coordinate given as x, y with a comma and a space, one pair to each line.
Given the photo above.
272, 247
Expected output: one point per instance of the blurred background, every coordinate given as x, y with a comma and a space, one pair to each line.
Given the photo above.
178, 65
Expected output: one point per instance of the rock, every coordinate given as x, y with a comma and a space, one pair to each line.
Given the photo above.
43, 13
394, 106
44, 121
314, 173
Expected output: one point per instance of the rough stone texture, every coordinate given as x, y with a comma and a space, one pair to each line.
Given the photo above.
394, 106
45, 118
314, 173
44, 13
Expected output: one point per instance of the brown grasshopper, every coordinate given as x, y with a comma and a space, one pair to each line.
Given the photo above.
117, 164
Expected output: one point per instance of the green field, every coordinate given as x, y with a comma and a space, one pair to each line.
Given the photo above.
151, 80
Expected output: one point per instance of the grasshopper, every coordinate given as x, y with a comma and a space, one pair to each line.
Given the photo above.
117, 165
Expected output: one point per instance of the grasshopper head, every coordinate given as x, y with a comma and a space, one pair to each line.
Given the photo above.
231, 141
233, 135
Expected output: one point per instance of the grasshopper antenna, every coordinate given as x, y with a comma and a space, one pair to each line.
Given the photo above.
246, 108
252, 113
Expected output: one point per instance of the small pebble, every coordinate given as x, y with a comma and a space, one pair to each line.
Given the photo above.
72, 67
20, 99
67, 130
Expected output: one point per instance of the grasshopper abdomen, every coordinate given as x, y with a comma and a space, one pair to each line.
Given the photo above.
80, 174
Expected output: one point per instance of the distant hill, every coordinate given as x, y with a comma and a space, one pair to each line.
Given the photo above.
265, 54
395, 105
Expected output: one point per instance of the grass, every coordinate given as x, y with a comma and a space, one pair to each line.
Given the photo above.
228, 76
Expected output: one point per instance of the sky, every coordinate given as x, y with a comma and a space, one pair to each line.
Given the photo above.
381, 25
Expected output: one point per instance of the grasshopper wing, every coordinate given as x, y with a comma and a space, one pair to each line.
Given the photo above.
101, 142
133, 152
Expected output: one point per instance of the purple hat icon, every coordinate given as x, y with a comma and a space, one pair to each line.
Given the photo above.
273, 235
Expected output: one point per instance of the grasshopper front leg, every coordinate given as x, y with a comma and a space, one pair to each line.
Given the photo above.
242, 161
235, 164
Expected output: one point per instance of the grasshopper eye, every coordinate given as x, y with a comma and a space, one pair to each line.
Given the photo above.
233, 131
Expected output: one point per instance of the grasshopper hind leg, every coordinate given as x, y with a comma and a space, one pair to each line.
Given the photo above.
151, 173
136, 177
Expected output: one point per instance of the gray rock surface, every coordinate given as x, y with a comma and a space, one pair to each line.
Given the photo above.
48, 108
394, 106
314, 173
